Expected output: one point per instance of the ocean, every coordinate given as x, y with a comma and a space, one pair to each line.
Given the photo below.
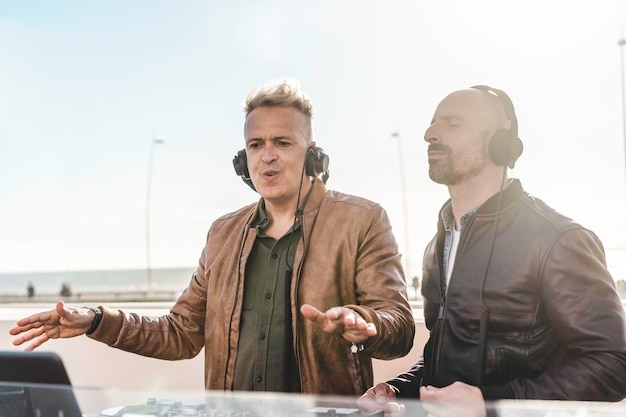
99, 281
172, 280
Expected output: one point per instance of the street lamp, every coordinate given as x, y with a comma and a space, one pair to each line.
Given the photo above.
405, 209
148, 190
621, 43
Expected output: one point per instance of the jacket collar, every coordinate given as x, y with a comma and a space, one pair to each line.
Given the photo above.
316, 196
509, 195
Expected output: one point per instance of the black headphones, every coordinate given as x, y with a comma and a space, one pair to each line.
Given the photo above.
505, 145
316, 163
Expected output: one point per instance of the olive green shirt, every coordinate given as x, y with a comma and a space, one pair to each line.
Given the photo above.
265, 359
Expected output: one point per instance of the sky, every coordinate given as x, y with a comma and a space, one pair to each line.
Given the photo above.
87, 87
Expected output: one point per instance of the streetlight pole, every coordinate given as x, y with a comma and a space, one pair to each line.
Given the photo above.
153, 144
621, 43
405, 209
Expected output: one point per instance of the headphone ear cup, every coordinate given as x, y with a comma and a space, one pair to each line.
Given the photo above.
316, 161
504, 149
240, 163
498, 147
515, 149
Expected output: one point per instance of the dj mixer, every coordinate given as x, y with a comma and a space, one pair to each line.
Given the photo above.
172, 408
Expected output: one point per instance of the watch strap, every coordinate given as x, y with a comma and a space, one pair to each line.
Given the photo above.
96, 321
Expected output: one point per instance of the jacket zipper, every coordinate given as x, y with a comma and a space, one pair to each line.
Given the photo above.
441, 317
439, 337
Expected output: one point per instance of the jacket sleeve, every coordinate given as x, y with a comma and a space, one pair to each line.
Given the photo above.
407, 384
177, 335
587, 318
381, 289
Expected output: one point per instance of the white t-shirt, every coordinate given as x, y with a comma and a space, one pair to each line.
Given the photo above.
454, 245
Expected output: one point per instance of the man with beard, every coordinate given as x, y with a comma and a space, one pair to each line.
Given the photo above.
517, 297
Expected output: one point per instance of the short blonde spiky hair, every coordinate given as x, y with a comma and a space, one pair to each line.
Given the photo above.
285, 92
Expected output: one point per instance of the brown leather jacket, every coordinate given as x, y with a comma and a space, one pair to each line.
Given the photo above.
348, 257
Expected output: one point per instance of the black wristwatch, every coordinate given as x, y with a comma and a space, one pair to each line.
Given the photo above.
96, 321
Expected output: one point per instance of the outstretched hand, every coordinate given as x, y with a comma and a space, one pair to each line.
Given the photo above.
62, 322
381, 397
341, 321
453, 400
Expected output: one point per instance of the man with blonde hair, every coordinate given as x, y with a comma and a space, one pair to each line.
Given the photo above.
294, 293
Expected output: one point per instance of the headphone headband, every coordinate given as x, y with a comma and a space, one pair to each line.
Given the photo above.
507, 104
505, 146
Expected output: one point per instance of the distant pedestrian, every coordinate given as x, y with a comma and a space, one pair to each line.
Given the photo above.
416, 284
30, 289
66, 291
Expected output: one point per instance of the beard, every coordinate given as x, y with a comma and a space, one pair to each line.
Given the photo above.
454, 169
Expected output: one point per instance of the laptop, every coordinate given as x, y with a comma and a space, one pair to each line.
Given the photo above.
34, 384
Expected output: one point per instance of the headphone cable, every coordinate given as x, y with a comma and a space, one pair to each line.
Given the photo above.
484, 314
289, 350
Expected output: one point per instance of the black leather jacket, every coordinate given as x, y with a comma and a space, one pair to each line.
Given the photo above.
555, 325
